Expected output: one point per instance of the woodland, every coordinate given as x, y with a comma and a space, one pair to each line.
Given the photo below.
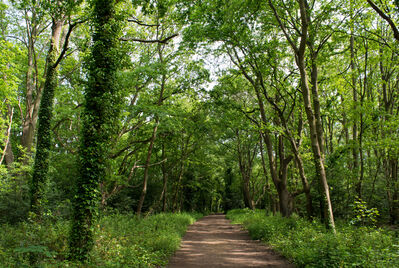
124, 121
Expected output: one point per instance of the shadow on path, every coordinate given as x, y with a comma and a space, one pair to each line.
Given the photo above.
214, 242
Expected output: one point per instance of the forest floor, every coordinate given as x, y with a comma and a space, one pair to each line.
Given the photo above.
214, 242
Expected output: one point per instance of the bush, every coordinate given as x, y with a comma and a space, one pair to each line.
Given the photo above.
309, 244
120, 241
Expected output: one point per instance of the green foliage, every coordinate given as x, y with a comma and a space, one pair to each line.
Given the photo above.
128, 241
309, 244
119, 241
363, 215
29, 244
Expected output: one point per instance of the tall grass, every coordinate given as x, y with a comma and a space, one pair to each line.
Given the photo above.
120, 241
309, 244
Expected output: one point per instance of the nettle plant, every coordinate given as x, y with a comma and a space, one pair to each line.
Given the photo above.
364, 216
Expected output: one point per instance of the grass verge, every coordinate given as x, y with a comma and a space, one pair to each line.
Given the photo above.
309, 244
120, 241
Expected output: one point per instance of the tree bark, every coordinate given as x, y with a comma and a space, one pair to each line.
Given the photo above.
146, 168
101, 108
33, 90
315, 138
40, 168
355, 154
7, 154
165, 180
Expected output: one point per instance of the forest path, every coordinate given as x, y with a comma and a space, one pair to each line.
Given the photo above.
214, 242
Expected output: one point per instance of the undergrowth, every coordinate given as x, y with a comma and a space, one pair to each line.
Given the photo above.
120, 241
309, 244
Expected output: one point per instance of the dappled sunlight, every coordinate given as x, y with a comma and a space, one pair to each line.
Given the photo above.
214, 242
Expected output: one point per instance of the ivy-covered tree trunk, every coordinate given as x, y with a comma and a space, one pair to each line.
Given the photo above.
40, 167
101, 107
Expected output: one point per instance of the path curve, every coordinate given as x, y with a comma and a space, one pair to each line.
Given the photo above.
214, 242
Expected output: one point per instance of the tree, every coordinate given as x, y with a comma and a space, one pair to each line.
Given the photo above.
101, 107
54, 57
307, 33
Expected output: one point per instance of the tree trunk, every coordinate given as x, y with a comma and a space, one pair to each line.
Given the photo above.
355, 154
7, 155
278, 176
179, 180
154, 134
40, 168
165, 180
313, 120
101, 109
394, 196
318, 158
245, 166
146, 168
248, 201
285, 201
33, 91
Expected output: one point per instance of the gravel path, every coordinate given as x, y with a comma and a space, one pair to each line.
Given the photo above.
214, 242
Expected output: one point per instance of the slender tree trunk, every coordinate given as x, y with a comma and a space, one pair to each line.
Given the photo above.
154, 133
355, 154
268, 190
249, 203
245, 166
316, 103
7, 154
179, 187
33, 91
165, 180
305, 183
146, 168
41, 164
318, 158
313, 120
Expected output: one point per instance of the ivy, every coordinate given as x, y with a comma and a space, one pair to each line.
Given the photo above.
100, 110
41, 165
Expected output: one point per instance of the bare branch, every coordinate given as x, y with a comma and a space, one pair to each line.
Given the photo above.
162, 41
142, 23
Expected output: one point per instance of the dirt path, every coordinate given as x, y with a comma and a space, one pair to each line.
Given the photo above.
214, 242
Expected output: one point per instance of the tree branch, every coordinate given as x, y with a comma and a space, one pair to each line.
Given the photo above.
66, 43
142, 23
293, 45
162, 41
385, 17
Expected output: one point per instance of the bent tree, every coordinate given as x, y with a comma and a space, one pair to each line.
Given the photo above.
100, 110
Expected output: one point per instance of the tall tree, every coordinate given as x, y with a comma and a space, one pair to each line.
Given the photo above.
60, 13
307, 35
101, 107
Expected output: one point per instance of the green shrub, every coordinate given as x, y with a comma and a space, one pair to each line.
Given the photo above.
309, 244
